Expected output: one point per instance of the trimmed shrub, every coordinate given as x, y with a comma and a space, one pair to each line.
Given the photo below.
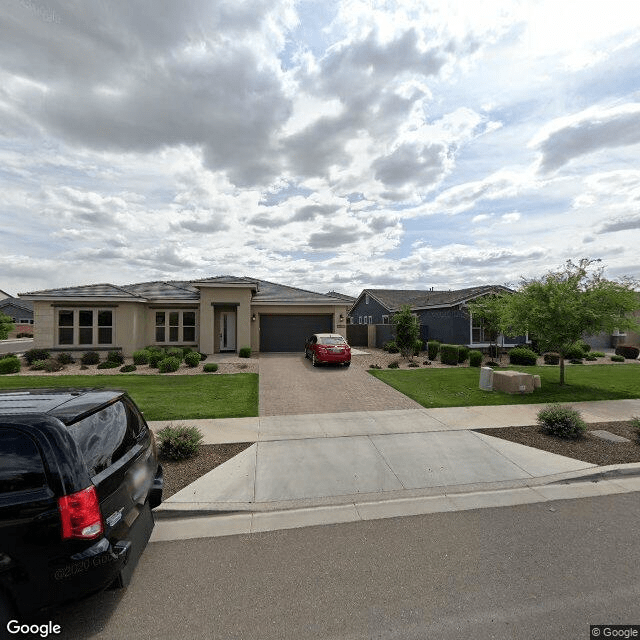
245, 352
203, 356
128, 368
35, 354
179, 442
475, 358
391, 347
141, 356
186, 350
10, 364
597, 354
449, 354
463, 354
169, 365
49, 365
418, 347
394, 365
522, 356
635, 423
585, 346
433, 348
551, 358
627, 351
108, 364
210, 367
590, 357
115, 356
560, 421
90, 357
192, 359
174, 352
155, 357
154, 348
573, 352
617, 358
65, 358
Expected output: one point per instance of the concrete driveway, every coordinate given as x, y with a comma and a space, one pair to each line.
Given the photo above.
291, 385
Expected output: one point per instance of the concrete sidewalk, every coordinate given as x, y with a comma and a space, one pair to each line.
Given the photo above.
321, 468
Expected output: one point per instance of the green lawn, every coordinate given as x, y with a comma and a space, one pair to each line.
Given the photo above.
166, 397
459, 387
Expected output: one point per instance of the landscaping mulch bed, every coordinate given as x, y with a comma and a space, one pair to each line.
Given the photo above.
177, 475
588, 448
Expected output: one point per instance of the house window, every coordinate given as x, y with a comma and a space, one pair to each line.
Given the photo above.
366, 298
477, 333
85, 327
359, 319
175, 326
370, 320
385, 319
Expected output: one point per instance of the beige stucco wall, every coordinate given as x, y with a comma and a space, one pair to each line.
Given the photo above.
339, 326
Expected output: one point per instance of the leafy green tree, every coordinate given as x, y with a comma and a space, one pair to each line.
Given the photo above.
407, 331
562, 306
6, 326
487, 310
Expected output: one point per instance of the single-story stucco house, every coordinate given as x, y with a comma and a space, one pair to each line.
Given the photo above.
20, 312
212, 315
443, 315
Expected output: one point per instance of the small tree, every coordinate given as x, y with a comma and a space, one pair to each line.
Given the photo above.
488, 311
6, 326
562, 306
407, 331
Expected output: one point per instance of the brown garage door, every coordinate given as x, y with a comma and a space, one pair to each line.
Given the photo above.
288, 332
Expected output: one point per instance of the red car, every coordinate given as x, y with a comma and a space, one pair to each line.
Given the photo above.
327, 347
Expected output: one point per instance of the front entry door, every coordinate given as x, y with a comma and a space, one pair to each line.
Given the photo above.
227, 331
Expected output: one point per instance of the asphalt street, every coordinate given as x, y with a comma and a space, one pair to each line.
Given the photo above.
532, 571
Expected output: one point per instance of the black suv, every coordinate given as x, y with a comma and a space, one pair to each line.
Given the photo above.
79, 475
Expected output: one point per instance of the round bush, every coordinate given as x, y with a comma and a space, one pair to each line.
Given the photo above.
245, 352
210, 367
65, 358
10, 364
115, 356
169, 365
154, 348
49, 365
617, 358
392, 347
203, 356
128, 368
90, 357
597, 354
590, 357
178, 443
585, 346
175, 352
192, 359
449, 354
475, 358
463, 354
551, 358
108, 364
141, 357
418, 347
35, 354
394, 365
155, 357
564, 422
523, 356
574, 352
186, 350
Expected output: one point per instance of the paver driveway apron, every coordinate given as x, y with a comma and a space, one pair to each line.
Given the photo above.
291, 385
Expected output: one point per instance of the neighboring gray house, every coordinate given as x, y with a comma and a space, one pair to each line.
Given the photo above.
443, 315
219, 314
20, 311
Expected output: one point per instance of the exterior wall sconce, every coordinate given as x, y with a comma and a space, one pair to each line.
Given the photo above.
253, 318
342, 317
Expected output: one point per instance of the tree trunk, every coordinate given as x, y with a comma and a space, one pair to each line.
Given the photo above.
561, 369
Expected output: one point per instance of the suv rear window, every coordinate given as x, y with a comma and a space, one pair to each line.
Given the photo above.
104, 437
21, 467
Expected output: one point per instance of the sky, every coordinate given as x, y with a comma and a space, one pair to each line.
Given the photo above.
334, 145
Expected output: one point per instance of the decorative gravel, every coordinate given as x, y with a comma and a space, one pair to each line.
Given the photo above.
588, 448
177, 475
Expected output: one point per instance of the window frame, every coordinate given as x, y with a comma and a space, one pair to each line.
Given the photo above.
76, 327
180, 327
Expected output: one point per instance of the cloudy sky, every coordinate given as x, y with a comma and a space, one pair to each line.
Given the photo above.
327, 145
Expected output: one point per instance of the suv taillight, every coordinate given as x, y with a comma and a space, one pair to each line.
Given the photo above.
80, 515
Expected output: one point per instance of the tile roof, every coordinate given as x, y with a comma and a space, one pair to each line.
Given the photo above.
16, 302
187, 290
393, 299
